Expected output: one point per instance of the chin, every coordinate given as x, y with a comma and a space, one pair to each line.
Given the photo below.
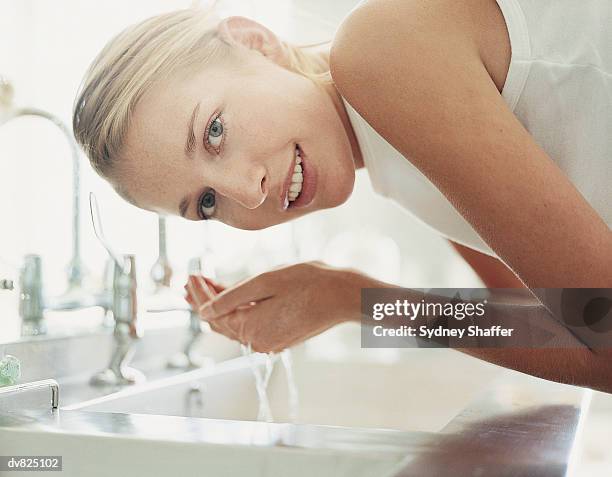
341, 193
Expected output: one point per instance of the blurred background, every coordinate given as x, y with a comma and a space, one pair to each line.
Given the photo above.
45, 48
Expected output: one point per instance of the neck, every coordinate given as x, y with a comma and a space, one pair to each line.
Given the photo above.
322, 52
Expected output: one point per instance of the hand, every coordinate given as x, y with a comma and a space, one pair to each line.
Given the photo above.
280, 308
209, 289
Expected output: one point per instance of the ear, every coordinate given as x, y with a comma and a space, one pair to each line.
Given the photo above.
253, 35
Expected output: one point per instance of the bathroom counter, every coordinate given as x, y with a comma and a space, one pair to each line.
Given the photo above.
523, 426
520, 426
99, 443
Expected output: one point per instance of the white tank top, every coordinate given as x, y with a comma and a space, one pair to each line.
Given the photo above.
559, 86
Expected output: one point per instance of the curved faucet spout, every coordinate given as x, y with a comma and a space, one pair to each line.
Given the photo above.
76, 271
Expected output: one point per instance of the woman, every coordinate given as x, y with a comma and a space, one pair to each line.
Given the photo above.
486, 119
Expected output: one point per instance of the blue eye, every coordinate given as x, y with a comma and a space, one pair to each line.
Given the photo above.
207, 204
214, 133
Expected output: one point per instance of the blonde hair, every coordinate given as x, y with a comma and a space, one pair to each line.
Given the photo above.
141, 55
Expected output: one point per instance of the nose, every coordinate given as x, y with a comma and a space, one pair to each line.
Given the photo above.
248, 186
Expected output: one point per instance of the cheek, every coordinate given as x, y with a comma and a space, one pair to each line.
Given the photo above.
343, 189
339, 171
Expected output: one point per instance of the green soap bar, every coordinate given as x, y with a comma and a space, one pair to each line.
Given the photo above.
10, 370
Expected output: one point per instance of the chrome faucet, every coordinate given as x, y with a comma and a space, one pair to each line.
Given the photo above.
75, 269
127, 331
161, 272
120, 299
124, 305
33, 302
188, 357
31, 298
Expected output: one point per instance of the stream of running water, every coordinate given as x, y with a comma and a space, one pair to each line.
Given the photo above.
262, 378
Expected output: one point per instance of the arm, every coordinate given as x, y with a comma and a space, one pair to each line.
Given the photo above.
546, 363
569, 363
285, 315
431, 97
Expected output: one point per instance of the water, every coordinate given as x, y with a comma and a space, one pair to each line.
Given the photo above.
262, 378
261, 382
291, 386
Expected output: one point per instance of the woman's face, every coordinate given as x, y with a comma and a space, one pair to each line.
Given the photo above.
221, 143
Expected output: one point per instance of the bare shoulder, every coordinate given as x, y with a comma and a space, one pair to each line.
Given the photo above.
380, 33
379, 29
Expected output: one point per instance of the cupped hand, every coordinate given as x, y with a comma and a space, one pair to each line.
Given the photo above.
207, 289
279, 308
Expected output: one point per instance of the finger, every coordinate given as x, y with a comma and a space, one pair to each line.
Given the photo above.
219, 327
187, 294
199, 290
208, 286
224, 327
189, 299
244, 293
197, 295
203, 284
215, 286
264, 335
235, 321
247, 321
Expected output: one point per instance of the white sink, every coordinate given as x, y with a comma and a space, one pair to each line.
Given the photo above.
420, 394
202, 422
113, 455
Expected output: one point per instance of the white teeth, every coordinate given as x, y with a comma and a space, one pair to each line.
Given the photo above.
297, 179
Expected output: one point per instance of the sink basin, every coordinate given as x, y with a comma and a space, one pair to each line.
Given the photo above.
419, 394
222, 448
426, 412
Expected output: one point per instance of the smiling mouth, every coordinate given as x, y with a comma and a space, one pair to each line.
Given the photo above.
297, 177
300, 183
294, 180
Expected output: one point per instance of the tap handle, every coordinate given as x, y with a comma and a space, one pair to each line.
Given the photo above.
161, 272
194, 267
30, 283
125, 301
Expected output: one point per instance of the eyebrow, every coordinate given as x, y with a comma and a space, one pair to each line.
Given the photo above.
190, 146
183, 206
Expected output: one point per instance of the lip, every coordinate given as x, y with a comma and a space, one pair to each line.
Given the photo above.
284, 200
309, 186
